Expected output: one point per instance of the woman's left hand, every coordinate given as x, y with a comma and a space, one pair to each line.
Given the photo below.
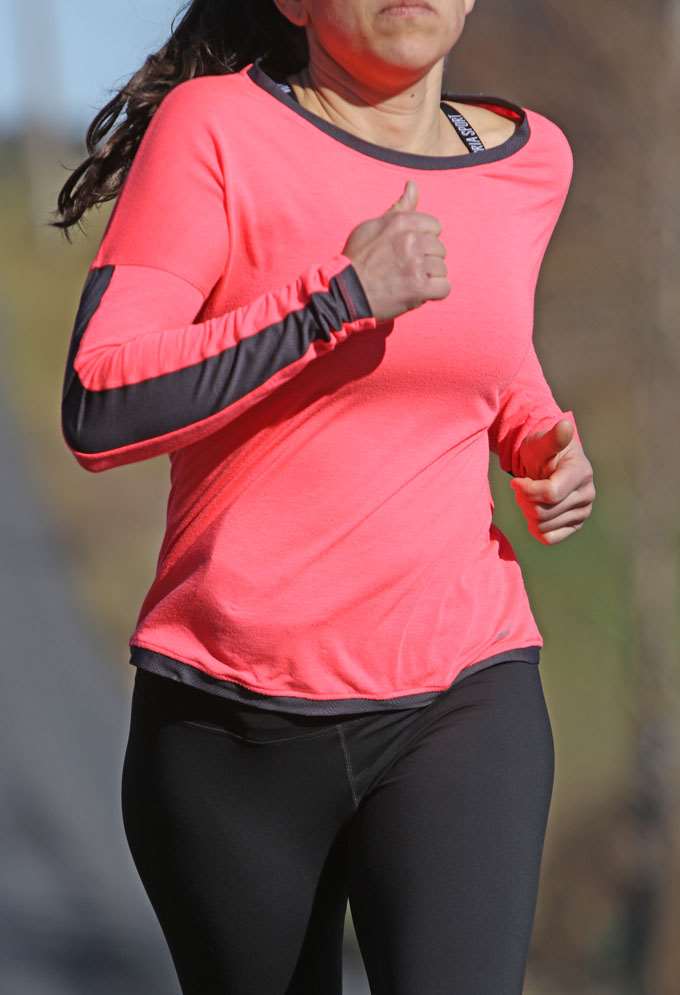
558, 492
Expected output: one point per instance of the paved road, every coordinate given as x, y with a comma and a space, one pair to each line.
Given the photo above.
76, 920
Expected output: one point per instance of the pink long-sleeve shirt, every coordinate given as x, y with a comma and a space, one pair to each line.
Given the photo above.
329, 543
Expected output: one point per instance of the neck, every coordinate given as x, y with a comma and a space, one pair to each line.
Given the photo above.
400, 114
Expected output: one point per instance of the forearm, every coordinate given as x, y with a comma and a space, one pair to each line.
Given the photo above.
135, 387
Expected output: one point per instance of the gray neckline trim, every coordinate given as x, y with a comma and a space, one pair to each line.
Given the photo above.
410, 159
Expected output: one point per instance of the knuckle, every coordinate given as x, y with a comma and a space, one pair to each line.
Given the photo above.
408, 241
420, 270
413, 269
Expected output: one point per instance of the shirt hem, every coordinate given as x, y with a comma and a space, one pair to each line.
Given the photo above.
183, 672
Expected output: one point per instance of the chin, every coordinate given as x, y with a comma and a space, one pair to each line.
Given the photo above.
410, 58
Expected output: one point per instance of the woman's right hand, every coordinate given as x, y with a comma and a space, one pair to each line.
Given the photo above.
399, 257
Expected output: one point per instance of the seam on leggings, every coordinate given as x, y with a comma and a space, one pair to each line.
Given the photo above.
348, 765
221, 731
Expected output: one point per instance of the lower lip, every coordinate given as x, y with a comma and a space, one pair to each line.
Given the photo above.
406, 11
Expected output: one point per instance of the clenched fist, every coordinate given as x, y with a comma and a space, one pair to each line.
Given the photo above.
399, 258
557, 493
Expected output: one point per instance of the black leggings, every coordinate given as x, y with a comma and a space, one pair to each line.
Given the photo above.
251, 829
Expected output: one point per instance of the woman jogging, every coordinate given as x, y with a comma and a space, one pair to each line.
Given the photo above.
315, 295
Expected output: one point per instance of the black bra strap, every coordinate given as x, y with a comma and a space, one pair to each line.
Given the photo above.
465, 130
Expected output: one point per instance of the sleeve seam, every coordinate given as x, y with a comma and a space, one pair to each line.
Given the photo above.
354, 294
346, 294
160, 269
514, 376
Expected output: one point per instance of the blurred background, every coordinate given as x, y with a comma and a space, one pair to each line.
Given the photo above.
78, 550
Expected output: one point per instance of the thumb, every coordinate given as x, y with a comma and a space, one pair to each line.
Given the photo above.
544, 446
408, 199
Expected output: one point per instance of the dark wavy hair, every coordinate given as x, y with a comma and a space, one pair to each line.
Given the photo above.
213, 37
